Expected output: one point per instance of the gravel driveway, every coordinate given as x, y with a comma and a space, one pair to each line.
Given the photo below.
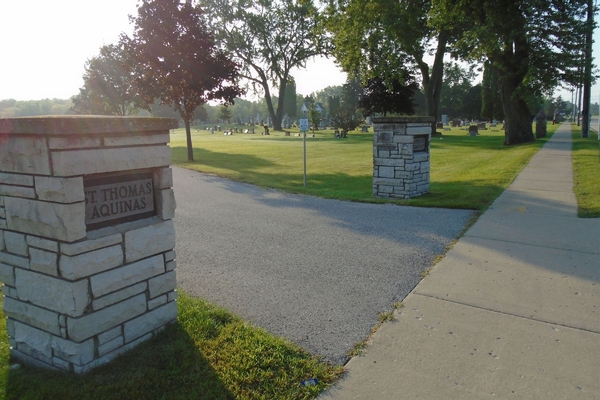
312, 270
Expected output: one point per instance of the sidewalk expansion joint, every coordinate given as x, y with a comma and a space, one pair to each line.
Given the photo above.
533, 245
506, 314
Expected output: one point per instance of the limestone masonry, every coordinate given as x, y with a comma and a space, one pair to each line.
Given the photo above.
401, 156
86, 236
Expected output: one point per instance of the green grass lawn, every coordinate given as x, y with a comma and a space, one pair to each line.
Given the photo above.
466, 172
210, 354
586, 173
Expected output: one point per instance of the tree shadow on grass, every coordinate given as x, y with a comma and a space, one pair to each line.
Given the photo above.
353, 138
169, 366
236, 162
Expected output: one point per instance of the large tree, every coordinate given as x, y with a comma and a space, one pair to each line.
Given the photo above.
176, 59
532, 45
268, 38
108, 85
378, 38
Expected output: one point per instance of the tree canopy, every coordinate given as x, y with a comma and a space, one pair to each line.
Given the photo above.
175, 59
532, 45
378, 38
108, 85
268, 38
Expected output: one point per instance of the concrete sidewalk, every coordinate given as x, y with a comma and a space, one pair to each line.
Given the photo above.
512, 311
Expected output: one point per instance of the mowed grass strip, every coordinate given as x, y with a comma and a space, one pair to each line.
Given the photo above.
586, 173
467, 172
210, 354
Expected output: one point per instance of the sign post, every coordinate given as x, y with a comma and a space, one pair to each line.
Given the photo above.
304, 129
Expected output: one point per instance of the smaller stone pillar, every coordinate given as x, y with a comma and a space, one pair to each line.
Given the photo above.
86, 236
401, 156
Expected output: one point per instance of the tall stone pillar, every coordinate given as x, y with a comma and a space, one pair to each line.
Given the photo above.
86, 236
401, 156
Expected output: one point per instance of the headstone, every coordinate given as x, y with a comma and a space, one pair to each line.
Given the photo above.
364, 128
89, 272
473, 130
455, 123
439, 125
481, 126
540, 125
445, 119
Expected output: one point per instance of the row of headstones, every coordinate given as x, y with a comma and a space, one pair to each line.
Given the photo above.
473, 129
229, 132
337, 133
300, 134
456, 123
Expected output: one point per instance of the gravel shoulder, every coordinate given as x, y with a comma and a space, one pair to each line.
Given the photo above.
312, 270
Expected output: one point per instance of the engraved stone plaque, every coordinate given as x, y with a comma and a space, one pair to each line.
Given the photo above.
110, 200
420, 143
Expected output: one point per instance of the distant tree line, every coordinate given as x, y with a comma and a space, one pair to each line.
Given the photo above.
11, 108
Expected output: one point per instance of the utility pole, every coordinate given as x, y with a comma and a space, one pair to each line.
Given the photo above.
587, 80
579, 110
573, 108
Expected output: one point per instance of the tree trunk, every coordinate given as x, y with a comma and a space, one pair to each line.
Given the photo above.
279, 116
518, 125
188, 137
432, 85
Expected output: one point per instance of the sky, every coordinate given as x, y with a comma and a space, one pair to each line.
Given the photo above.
45, 43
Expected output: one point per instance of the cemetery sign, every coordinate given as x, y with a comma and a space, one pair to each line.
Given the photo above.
420, 143
118, 198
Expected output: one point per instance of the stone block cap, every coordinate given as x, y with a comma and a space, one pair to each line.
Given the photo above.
392, 120
83, 124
